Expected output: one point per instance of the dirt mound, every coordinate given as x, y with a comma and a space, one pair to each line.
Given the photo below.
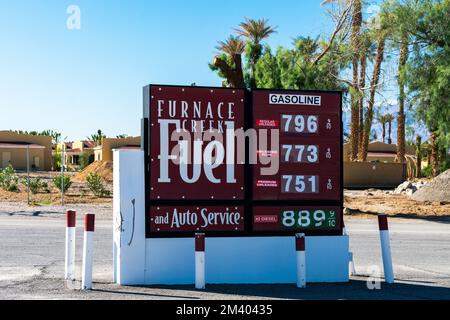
102, 168
437, 190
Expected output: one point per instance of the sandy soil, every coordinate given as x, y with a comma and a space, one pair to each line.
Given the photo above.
379, 201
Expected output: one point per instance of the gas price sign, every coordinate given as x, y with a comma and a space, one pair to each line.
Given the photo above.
308, 126
201, 175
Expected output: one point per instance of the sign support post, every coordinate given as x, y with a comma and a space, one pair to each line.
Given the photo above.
200, 261
88, 252
386, 248
70, 245
301, 260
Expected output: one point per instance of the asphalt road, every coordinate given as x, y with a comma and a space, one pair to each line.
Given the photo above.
32, 263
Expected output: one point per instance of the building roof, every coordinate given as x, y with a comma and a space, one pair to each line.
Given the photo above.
20, 145
89, 144
127, 147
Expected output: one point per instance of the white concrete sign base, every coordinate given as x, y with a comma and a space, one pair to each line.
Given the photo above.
140, 261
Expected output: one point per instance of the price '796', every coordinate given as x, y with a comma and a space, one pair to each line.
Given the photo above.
299, 123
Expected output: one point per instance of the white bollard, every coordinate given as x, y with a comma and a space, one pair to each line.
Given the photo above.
200, 261
386, 248
88, 248
352, 264
301, 260
69, 270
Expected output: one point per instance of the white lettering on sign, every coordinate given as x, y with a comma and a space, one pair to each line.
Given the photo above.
202, 152
204, 218
295, 99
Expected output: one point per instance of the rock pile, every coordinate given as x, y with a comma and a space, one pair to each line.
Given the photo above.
409, 188
437, 190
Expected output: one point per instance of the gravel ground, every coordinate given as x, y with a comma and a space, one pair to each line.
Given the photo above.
32, 259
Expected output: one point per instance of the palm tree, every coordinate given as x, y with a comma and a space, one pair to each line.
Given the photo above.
97, 137
382, 119
255, 31
389, 118
373, 86
231, 67
401, 99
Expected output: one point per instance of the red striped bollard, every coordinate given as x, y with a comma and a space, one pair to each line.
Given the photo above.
200, 261
301, 260
88, 250
386, 248
69, 270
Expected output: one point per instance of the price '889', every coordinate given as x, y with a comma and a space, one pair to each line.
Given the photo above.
306, 218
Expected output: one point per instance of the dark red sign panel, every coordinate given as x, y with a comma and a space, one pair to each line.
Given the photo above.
196, 152
193, 154
196, 218
308, 126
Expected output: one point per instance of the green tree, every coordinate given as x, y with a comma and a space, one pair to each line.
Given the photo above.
96, 185
255, 31
58, 182
428, 24
298, 67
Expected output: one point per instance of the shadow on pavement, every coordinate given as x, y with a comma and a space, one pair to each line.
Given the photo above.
354, 290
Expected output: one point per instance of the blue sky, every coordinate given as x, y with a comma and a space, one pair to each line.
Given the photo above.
78, 81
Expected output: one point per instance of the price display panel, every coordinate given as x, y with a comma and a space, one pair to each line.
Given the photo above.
296, 218
300, 156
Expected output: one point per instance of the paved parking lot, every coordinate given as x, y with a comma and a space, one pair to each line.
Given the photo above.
32, 262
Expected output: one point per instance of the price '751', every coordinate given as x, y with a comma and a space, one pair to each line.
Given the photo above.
299, 184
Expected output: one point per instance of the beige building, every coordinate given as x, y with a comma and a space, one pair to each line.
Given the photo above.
74, 150
104, 152
14, 148
380, 170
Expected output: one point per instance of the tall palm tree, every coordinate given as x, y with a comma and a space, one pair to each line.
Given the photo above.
401, 99
255, 31
373, 86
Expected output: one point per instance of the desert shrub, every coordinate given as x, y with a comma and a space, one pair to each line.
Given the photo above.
427, 171
36, 185
57, 161
96, 185
444, 165
9, 179
85, 160
58, 183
